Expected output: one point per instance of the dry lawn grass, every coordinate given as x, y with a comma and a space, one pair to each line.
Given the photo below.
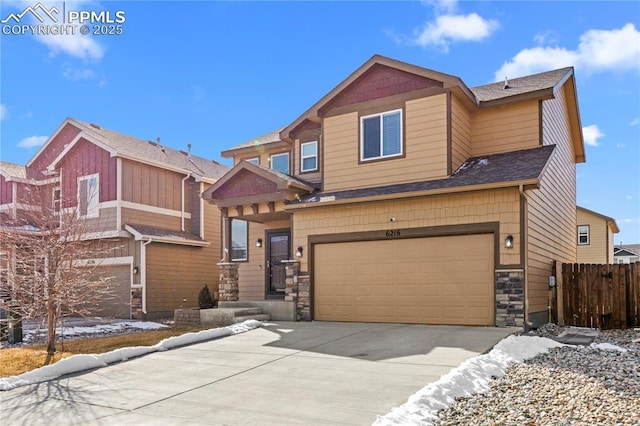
15, 361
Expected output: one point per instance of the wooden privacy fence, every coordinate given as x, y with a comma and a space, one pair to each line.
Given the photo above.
599, 296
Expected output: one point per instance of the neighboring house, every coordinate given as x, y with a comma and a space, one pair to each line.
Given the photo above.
407, 196
628, 253
142, 202
594, 237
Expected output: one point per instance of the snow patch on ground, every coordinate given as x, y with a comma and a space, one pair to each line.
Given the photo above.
608, 347
78, 363
31, 335
472, 376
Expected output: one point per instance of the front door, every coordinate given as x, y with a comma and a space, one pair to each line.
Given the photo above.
277, 250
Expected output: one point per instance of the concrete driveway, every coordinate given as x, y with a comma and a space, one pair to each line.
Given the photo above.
285, 373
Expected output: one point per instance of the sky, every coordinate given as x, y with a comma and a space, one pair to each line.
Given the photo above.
216, 74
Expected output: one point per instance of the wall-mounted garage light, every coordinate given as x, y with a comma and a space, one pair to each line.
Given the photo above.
259, 242
508, 242
299, 252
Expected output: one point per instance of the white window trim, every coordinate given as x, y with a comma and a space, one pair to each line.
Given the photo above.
97, 211
381, 114
303, 157
252, 160
54, 201
280, 155
587, 234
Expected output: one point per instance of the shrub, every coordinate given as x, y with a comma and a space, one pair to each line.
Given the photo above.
205, 301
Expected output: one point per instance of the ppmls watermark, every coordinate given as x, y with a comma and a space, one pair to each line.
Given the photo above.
53, 21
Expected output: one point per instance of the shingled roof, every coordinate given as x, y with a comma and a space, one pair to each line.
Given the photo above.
268, 138
13, 170
500, 169
151, 152
518, 86
153, 233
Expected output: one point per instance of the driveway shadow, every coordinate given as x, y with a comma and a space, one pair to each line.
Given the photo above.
387, 342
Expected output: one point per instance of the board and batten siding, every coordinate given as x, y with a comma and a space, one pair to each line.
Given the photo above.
551, 209
251, 274
600, 247
501, 205
505, 128
159, 220
152, 186
425, 148
86, 159
460, 134
49, 153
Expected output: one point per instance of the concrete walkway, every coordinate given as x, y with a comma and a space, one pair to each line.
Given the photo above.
285, 373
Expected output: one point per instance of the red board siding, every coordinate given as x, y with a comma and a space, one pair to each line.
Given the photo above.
86, 159
51, 151
245, 184
6, 191
378, 82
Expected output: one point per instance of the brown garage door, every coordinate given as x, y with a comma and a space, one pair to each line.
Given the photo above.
436, 280
118, 303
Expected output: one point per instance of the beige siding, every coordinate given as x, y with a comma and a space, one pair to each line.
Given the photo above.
551, 210
600, 247
505, 128
152, 186
460, 134
175, 274
425, 148
111, 247
251, 274
490, 206
106, 221
140, 217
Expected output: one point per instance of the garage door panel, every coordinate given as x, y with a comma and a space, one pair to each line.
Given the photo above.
438, 280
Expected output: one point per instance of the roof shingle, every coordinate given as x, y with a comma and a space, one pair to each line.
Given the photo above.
519, 86
13, 170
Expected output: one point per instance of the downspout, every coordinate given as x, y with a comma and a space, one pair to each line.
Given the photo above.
182, 201
525, 260
143, 274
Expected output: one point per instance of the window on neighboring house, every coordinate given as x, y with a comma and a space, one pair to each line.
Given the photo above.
381, 135
280, 162
255, 160
309, 156
55, 200
583, 234
88, 196
239, 240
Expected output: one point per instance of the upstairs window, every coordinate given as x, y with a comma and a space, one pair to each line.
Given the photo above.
55, 200
583, 235
255, 160
88, 196
239, 240
280, 162
309, 156
381, 135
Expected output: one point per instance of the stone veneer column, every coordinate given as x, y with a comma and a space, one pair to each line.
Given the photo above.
228, 285
136, 303
510, 298
297, 290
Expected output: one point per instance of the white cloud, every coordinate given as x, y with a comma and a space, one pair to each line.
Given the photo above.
545, 37
634, 122
451, 28
442, 6
32, 141
591, 134
598, 50
3, 111
75, 74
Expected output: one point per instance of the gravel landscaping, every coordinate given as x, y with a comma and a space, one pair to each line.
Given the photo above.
597, 384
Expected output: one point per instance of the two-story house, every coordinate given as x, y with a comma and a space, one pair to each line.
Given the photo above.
403, 195
140, 203
594, 236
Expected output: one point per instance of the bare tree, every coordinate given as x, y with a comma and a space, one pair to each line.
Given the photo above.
48, 272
